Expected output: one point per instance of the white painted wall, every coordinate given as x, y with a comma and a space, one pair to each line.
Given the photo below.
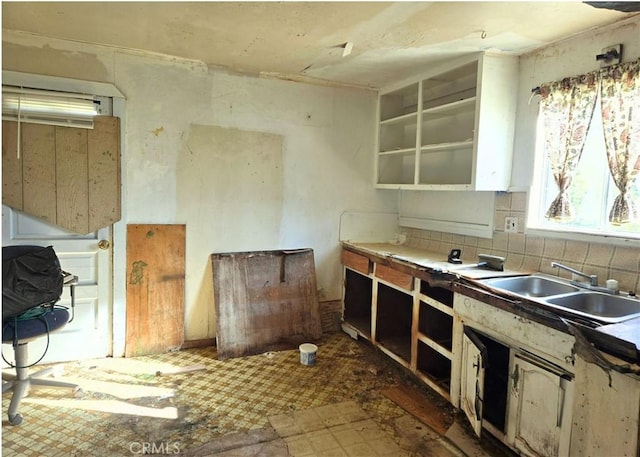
570, 57
327, 137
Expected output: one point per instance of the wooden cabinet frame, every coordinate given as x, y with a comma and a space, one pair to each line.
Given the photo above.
398, 310
451, 128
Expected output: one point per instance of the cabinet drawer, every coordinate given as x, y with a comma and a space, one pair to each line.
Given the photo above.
395, 277
355, 261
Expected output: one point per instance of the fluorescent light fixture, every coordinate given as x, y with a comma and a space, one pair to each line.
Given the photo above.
48, 107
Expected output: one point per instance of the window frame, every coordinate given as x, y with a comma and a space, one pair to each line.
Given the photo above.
535, 202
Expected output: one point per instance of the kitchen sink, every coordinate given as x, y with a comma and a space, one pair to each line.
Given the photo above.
556, 293
603, 307
531, 286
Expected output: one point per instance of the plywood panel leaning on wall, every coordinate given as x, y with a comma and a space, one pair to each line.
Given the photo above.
265, 300
67, 176
155, 288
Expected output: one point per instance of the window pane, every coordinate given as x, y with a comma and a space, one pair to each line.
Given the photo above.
632, 228
592, 190
589, 184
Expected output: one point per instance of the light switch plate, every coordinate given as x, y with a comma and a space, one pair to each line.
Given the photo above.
511, 224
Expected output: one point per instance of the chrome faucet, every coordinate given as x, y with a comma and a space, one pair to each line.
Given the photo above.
593, 279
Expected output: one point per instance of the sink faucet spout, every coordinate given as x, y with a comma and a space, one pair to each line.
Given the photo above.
593, 279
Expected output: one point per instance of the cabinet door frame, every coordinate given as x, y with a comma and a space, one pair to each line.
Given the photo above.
474, 356
528, 373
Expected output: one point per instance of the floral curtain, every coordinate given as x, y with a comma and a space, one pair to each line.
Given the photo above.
620, 104
567, 108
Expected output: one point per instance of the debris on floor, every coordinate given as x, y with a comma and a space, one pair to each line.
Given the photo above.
126, 405
437, 415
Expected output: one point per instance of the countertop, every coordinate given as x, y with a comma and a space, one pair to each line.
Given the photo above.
430, 260
617, 338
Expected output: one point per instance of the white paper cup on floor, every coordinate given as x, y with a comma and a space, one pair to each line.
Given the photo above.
308, 353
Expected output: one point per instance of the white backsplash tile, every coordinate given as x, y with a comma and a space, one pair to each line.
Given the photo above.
529, 253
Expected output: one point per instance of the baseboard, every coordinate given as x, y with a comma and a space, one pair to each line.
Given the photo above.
203, 343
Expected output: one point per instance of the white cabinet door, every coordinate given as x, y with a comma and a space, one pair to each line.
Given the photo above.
472, 378
540, 405
89, 335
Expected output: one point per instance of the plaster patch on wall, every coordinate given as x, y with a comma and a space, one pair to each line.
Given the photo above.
47, 60
230, 194
238, 176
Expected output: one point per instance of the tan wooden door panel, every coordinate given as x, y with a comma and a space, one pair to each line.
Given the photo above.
66, 176
71, 165
39, 171
11, 167
155, 288
103, 155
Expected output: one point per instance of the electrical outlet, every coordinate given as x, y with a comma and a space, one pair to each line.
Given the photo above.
511, 224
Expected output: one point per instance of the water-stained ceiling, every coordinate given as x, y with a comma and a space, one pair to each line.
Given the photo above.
356, 43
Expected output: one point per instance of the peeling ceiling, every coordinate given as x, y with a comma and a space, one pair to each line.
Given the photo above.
367, 44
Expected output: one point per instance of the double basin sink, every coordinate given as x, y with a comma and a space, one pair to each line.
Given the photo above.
601, 307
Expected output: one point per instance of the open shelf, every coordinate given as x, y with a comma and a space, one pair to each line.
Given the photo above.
403, 119
446, 166
439, 294
434, 365
393, 321
398, 135
436, 325
447, 129
357, 301
457, 84
397, 168
399, 102
456, 124
451, 109
439, 147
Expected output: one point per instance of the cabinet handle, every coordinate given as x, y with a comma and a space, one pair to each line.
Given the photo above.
561, 396
515, 376
476, 365
478, 401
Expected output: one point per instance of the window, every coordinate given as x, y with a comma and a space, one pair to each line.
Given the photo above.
576, 192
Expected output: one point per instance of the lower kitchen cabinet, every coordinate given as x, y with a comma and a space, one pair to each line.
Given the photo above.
394, 319
433, 366
357, 301
405, 316
522, 382
515, 378
522, 397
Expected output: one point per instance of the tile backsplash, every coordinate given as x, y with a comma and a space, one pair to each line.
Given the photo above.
535, 253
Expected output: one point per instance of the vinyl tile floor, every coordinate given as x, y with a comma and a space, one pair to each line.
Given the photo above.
136, 406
